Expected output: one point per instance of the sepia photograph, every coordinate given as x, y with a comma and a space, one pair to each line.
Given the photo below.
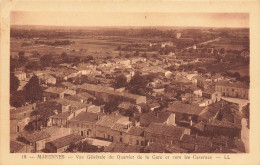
143, 82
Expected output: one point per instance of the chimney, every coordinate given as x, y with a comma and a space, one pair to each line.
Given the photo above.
190, 122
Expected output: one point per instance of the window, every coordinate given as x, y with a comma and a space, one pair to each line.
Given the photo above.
137, 142
24, 114
77, 124
120, 133
82, 133
121, 139
233, 90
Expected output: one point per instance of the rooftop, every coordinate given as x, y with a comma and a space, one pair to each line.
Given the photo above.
234, 84
109, 120
66, 140
15, 146
185, 108
198, 140
37, 136
99, 88
55, 90
86, 117
165, 130
63, 115
224, 124
125, 105
136, 131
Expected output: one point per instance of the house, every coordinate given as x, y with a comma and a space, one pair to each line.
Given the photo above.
20, 75
18, 147
84, 124
107, 94
116, 147
67, 85
49, 79
236, 89
80, 97
194, 143
54, 93
36, 140
19, 118
119, 130
136, 136
154, 147
225, 128
146, 119
70, 105
69, 109
186, 113
105, 125
211, 94
163, 133
61, 144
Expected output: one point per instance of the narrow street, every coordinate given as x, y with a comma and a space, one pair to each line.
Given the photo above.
245, 134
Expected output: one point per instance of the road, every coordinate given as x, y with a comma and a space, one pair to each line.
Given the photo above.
245, 134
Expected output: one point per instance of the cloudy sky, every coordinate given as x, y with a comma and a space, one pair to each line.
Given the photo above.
130, 19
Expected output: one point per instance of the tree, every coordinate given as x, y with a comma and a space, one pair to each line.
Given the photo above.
14, 83
120, 81
64, 56
17, 99
45, 110
33, 90
130, 111
32, 65
111, 106
22, 59
46, 61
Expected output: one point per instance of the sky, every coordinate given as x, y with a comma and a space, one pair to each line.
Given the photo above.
130, 19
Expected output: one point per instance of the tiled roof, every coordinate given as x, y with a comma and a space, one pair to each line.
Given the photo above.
120, 127
200, 126
198, 140
37, 136
115, 147
99, 88
147, 118
136, 131
125, 105
175, 149
15, 146
66, 140
62, 115
165, 130
68, 84
223, 124
202, 149
74, 104
185, 108
109, 120
86, 117
235, 84
55, 90
156, 147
